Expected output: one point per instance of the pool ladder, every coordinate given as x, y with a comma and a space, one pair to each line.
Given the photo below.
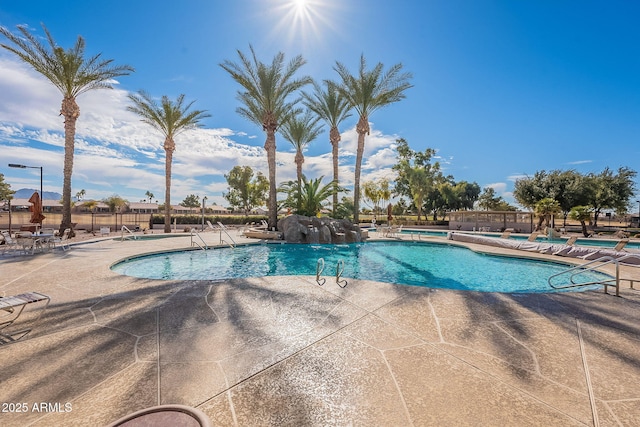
129, 233
339, 270
195, 242
592, 266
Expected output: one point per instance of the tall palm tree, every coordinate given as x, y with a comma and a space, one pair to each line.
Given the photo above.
265, 95
367, 92
170, 118
72, 74
300, 131
333, 108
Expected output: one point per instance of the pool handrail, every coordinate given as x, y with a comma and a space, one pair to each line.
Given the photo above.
125, 228
224, 229
591, 266
194, 231
339, 270
319, 270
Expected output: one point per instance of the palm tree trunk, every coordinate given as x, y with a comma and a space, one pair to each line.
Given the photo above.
71, 112
270, 147
334, 137
362, 128
169, 146
299, 160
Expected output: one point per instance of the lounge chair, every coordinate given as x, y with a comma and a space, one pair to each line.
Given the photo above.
533, 236
620, 245
12, 308
210, 226
506, 234
571, 241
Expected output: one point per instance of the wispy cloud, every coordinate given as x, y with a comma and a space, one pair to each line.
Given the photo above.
580, 162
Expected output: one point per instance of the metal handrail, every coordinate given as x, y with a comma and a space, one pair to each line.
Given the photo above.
319, 270
339, 270
580, 269
125, 228
193, 231
223, 228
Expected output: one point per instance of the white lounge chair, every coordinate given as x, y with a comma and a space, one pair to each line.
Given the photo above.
12, 308
533, 236
10, 244
620, 245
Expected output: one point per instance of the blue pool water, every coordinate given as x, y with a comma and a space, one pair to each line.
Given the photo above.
406, 263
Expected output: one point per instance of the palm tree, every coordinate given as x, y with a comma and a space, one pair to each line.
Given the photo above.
170, 118
309, 196
266, 89
367, 92
72, 74
149, 195
331, 107
300, 132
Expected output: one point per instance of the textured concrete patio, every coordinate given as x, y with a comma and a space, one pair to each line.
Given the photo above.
285, 351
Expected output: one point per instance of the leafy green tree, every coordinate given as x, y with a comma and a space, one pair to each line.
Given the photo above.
80, 194
170, 118
545, 209
333, 109
367, 92
116, 203
611, 191
300, 131
245, 191
489, 201
73, 74
6, 193
377, 193
265, 96
583, 215
191, 201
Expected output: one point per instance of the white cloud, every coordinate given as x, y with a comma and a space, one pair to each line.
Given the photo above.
115, 153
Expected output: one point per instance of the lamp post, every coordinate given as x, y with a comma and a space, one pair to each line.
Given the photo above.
638, 202
204, 199
14, 165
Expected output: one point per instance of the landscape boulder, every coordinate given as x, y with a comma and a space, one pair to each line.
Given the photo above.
304, 229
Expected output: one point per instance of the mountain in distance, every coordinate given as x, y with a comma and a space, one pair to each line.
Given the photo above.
25, 193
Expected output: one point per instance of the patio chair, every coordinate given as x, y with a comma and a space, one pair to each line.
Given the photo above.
10, 244
506, 233
165, 415
27, 242
533, 236
62, 240
620, 245
571, 240
13, 307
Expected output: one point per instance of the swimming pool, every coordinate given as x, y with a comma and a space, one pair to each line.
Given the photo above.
406, 263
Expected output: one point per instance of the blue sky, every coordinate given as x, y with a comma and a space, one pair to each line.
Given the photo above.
502, 89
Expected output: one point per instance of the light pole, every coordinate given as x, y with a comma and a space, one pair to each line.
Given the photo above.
14, 165
204, 199
638, 202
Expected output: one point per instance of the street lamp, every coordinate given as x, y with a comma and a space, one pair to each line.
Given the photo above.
13, 165
203, 200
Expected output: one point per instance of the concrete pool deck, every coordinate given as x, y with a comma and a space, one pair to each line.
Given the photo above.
284, 351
